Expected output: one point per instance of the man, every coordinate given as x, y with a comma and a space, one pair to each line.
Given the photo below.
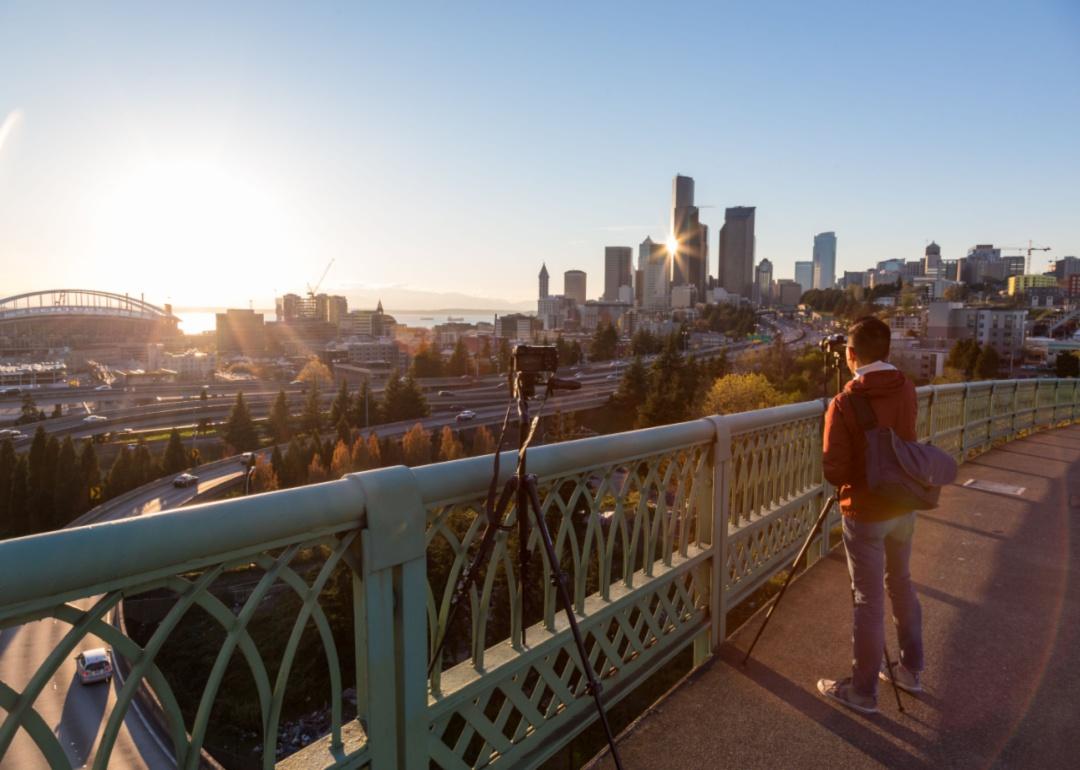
877, 536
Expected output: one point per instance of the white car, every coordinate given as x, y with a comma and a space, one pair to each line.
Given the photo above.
465, 416
103, 387
94, 665
95, 418
185, 480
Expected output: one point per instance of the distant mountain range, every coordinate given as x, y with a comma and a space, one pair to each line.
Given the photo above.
403, 299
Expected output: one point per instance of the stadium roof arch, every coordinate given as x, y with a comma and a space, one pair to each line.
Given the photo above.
51, 303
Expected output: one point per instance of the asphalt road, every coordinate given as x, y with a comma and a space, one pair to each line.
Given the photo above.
76, 713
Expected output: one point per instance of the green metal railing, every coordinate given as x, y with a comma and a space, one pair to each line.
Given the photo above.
662, 532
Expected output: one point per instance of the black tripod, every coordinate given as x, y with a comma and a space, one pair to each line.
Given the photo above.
832, 360
523, 488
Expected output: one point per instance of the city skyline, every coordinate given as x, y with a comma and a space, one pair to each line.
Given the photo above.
231, 164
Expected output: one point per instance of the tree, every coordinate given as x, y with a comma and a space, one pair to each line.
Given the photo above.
374, 450
7, 467
68, 484
450, 446
279, 422
38, 479
341, 405
403, 400
1067, 365
144, 469
317, 472
359, 457
277, 464
174, 459
957, 292
89, 477
363, 405
963, 357
240, 432
416, 445
459, 360
119, 479
741, 393
604, 343
664, 401
504, 354
633, 388
311, 418
29, 412
482, 441
20, 499
341, 461
314, 372
263, 476
987, 364
427, 362
563, 427
57, 411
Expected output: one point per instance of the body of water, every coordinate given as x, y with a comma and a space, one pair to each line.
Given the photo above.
202, 320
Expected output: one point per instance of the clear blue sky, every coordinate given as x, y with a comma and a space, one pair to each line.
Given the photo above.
211, 156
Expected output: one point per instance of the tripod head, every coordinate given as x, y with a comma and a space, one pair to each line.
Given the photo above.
833, 349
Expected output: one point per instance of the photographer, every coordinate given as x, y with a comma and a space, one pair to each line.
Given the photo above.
877, 536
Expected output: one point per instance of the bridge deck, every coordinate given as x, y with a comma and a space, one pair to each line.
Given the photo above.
999, 581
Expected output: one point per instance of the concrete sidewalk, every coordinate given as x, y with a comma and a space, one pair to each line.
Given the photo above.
999, 581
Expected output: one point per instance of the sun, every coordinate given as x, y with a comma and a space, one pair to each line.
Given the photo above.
672, 244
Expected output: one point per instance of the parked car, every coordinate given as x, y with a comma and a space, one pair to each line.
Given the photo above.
94, 665
185, 480
95, 418
465, 416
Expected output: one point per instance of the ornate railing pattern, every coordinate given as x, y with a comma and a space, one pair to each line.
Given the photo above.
662, 532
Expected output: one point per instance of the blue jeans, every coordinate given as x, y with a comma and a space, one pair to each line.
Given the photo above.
879, 552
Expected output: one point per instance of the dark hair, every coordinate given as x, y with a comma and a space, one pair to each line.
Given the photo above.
869, 337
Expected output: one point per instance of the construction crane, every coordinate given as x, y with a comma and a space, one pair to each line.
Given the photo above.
1029, 248
313, 291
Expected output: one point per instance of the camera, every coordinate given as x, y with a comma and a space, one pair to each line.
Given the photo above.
833, 344
534, 359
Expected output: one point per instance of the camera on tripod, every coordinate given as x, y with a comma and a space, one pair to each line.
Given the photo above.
528, 362
833, 344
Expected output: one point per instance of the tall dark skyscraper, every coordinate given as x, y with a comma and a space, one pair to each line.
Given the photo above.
736, 252
543, 281
618, 270
688, 264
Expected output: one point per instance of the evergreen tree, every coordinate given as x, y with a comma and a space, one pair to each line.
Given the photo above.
311, 420
342, 404
39, 480
633, 388
963, 356
364, 407
576, 353
68, 485
279, 423
604, 343
1067, 365
119, 479
7, 468
427, 363
388, 410
664, 402
144, 468
89, 477
459, 360
317, 472
295, 464
987, 364
45, 504
240, 432
504, 354
20, 498
58, 411
413, 403
277, 464
174, 459
29, 412
450, 447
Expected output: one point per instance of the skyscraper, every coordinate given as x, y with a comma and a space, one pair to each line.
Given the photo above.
657, 292
543, 281
618, 270
763, 283
574, 285
736, 253
691, 237
824, 260
932, 259
804, 275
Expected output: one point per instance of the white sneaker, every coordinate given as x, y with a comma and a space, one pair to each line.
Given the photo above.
843, 692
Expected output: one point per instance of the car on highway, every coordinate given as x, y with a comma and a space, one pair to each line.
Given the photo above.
445, 393
465, 416
94, 666
95, 418
612, 377
103, 387
128, 431
185, 480
10, 392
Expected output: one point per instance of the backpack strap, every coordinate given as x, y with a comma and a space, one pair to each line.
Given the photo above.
864, 413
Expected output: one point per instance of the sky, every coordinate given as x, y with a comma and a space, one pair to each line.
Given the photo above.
211, 156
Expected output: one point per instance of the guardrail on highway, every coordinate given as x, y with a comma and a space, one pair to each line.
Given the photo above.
662, 531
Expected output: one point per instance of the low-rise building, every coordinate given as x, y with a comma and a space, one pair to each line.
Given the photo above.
1020, 284
194, 365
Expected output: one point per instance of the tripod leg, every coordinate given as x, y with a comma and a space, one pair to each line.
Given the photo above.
790, 574
892, 677
558, 579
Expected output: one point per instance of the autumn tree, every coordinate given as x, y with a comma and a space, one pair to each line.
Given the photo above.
374, 450
315, 372
482, 441
450, 446
741, 393
987, 364
416, 445
963, 357
359, 457
263, 476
